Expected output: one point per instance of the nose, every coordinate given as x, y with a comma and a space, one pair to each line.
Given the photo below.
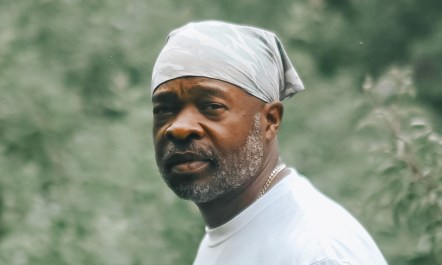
185, 126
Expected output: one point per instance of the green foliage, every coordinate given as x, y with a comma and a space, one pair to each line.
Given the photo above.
370, 36
408, 163
78, 180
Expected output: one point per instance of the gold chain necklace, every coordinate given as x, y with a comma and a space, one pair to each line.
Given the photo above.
275, 172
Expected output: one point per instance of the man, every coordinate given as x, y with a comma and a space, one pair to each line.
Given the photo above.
216, 92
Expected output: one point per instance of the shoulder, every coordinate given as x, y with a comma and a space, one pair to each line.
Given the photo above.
325, 249
323, 231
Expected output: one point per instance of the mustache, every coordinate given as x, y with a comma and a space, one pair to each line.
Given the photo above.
203, 152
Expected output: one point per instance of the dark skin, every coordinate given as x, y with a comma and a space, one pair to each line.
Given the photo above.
216, 114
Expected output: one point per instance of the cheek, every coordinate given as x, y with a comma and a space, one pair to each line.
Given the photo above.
230, 138
158, 139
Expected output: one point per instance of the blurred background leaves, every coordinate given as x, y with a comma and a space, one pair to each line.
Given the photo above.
78, 181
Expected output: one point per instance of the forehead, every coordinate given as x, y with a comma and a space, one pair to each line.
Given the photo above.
199, 87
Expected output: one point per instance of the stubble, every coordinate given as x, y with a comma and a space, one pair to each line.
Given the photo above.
231, 171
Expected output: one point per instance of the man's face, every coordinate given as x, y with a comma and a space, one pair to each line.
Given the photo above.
208, 137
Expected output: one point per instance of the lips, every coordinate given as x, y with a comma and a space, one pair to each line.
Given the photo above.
187, 163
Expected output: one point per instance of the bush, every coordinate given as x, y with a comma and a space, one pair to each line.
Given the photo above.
407, 156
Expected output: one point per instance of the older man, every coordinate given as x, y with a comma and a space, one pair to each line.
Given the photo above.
216, 92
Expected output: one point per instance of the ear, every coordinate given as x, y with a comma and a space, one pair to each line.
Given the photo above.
273, 112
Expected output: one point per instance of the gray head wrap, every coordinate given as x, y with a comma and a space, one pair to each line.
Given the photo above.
250, 58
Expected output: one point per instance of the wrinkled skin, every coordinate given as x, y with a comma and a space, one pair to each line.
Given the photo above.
207, 143
215, 144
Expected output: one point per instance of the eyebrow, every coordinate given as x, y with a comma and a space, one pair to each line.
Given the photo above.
163, 96
196, 89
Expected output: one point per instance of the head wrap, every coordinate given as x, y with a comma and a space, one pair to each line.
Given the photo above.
250, 58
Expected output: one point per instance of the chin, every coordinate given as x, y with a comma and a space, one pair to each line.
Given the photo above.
196, 193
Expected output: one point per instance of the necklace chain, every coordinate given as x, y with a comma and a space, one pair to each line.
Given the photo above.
269, 180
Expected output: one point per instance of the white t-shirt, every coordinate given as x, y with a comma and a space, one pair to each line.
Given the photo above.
292, 224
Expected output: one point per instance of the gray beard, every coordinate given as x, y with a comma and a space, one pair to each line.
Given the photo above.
232, 171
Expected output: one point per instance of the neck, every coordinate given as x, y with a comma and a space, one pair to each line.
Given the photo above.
224, 208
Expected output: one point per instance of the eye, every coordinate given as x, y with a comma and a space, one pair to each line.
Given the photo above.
162, 109
212, 108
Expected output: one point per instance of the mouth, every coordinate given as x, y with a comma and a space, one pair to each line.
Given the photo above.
187, 163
